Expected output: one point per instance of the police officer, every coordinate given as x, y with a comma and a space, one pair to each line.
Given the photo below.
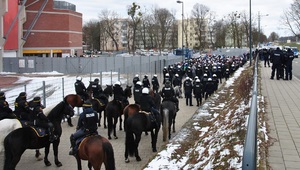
137, 92
96, 88
289, 61
135, 79
155, 83
87, 125
147, 103
81, 89
39, 119
276, 59
166, 78
188, 89
118, 92
177, 81
198, 87
5, 111
209, 90
168, 93
146, 82
22, 110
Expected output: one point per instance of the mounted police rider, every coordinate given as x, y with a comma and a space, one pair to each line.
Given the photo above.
155, 83
39, 119
135, 79
168, 93
97, 91
137, 92
146, 82
87, 125
22, 110
5, 111
81, 89
147, 103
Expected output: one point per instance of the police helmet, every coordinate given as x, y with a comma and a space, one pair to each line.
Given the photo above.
209, 79
2, 95
96, 80
154, 75
87, 103
146, 76
197, 80
205, 75
196, 77
22, 94
136, 75
37, 99
139, 83
118, 83
176, 75
145, 90
227, 69
167, 74
79, 78
214, 75
187, 78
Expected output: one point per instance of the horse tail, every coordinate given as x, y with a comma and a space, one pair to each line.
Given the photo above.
110, 157
8, 154
129, 139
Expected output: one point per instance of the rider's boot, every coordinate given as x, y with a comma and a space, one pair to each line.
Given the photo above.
73, 143
177, 106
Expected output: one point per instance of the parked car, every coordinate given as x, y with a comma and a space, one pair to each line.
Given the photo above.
296, 51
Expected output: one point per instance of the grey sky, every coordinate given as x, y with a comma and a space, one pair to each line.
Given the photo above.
274, 8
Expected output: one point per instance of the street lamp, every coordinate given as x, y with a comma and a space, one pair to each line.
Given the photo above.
182, 34
259, 16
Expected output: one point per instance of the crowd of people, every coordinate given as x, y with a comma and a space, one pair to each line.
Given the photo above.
281, 60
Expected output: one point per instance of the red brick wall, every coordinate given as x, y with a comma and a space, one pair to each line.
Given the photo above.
54, 28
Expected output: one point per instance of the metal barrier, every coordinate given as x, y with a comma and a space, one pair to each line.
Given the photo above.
250, 146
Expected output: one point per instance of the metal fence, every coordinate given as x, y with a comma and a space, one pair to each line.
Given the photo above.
54, 87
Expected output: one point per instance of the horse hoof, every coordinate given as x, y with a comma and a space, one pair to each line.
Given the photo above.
105, 127
109, 138
116, 137
47, 163
39, 158
138, 159
154, 150
58, 164
121, 129
127, 160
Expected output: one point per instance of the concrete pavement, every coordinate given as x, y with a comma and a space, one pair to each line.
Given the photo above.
283, 111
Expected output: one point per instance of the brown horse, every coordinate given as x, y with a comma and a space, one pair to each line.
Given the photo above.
156, 98
96, 150
129, 110
74, 100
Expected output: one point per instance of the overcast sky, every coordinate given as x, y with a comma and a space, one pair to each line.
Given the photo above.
274, 8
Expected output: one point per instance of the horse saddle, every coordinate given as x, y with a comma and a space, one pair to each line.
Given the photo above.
41, 132
26, 123
101, 103
150, 116
83, 138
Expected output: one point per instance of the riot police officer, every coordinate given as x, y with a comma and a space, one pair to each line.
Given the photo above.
146, 82
87, 125
188, 89
135, 79
81, 89
137, 92
168, 93
155, 83
276, 60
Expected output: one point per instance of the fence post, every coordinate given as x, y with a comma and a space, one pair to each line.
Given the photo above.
111, 77
44, 94
63, 87
119, 74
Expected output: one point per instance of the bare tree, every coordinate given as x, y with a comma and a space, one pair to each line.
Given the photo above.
220, 33
233, 19
135, 15
291, 18
273, 36
199, 14
110, 19
245, 24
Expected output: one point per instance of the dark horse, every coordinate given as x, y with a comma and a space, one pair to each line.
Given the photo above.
96, 150
168, 113
130, 110
16, 142
156, 98
114, 110
99, 105
135, 126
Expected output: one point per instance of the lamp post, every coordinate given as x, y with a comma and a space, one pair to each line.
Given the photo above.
182, 34
259, 18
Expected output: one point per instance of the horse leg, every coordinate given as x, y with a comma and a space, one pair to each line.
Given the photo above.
46, 161
173, 126
121, 120
78, 162
37, 155
55, 150
137, 141
99, 120
154, 140
126, 155
89, 165
104, 119
115, 126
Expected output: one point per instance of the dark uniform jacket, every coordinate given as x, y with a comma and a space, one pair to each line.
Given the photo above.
188, 87
137, 92
155, 83
5, 111
177, 82
146, 82
118, 93
135, 79
276, 57
22, 110
147, 103
37, 116
167, 93
198, 87
80, 88
88, 120
96, 89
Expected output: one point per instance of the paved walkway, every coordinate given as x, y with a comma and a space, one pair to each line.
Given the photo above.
283, 110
